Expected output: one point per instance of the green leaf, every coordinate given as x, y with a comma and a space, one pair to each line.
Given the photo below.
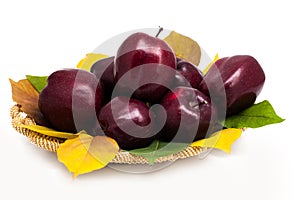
38, 82
158, 149
258, 115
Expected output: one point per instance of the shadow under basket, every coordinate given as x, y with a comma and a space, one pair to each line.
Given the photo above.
50, 143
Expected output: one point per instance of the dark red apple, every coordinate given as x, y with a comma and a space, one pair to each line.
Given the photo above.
149, 56
187, 75
190, 115
104, 71
241, 77
128, 121
71, 99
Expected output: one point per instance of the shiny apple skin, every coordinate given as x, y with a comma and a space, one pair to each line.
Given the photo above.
187, 75
104, 71
196, 115
71, 99
119, 113
242, 79
140, 49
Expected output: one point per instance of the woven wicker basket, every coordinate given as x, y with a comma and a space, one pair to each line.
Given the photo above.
52, 143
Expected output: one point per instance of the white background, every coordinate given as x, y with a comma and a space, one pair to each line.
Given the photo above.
38, 37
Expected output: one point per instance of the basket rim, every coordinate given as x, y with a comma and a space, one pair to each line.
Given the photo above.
49, 143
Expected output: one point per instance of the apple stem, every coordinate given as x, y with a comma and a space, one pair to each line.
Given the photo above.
159, 31
194, 104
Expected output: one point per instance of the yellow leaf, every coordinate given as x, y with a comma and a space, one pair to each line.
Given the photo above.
221, 140
85, 153
50, 132
210, 64
87, 62
184, 47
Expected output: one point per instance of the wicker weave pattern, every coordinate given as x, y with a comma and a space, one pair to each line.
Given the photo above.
52, 143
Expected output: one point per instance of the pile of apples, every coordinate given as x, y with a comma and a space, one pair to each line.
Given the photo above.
145, 93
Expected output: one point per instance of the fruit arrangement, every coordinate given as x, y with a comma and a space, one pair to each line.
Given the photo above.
149, 100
